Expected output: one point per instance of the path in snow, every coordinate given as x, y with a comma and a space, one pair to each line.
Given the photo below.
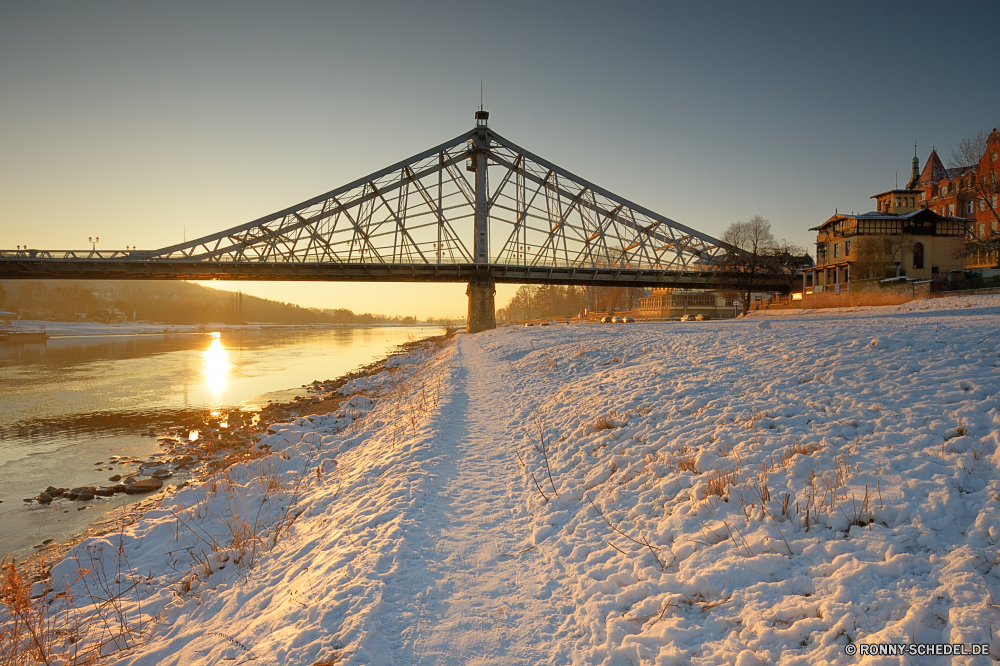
475, 603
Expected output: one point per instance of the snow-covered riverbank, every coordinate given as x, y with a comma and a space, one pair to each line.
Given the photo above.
767, 490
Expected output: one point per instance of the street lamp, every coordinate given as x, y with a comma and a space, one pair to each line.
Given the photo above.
94, 240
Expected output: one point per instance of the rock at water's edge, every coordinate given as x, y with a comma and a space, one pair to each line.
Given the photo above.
144, 486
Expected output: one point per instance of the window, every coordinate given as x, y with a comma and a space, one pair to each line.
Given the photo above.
993, 200
944, 190
970, 206
982, 230
918, 255
847, 248
836, 250
951, 210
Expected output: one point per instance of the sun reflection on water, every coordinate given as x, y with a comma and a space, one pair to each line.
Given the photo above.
217, 366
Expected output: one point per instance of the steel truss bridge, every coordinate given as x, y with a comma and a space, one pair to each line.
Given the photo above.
476, 209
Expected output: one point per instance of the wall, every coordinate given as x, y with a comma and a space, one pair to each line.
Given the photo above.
861, 292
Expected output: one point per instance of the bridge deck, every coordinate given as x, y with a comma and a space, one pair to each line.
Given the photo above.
111, 269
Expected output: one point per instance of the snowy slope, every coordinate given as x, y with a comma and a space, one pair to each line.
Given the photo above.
422, 524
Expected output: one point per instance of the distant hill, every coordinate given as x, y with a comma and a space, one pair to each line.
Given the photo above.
168, 302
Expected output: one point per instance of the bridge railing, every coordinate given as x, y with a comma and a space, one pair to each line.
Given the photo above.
140, 257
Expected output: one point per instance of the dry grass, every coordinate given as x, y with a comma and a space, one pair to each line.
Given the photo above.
686, 464
719, 480
604, 423
249, 534
28, 629
797, 448
641, 541
55, 627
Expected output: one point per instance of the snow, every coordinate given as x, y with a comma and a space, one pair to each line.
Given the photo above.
594, 494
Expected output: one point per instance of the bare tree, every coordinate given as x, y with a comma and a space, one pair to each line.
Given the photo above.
876, 256
787, 259
754, 248
983, 186
609, 299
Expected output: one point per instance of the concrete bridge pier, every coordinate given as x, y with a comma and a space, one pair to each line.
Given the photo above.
482, 310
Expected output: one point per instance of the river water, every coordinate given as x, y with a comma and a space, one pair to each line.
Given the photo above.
72, 401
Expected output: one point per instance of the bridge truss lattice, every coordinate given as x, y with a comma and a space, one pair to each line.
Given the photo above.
431, 217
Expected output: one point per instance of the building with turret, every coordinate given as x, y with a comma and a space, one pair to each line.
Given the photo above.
919, 231
970, 193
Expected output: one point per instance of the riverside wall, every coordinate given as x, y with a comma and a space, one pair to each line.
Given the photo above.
866, 292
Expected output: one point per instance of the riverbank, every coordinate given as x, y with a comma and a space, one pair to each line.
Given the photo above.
761, 491
59, 329
79, 411
205, 444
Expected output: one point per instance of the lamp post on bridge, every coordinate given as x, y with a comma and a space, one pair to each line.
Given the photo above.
94, 240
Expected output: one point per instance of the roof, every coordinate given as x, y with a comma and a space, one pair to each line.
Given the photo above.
935, 171
904, 191
923, 212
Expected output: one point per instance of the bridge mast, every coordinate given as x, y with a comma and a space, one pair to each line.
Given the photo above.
481, 290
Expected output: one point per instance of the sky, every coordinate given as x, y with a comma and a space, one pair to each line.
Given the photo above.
145, 123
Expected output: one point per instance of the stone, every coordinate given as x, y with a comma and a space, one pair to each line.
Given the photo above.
82, 496
44, 498
129, 480
144, 486
116, 477
104, 492
162, 474
120, 488
482, 312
